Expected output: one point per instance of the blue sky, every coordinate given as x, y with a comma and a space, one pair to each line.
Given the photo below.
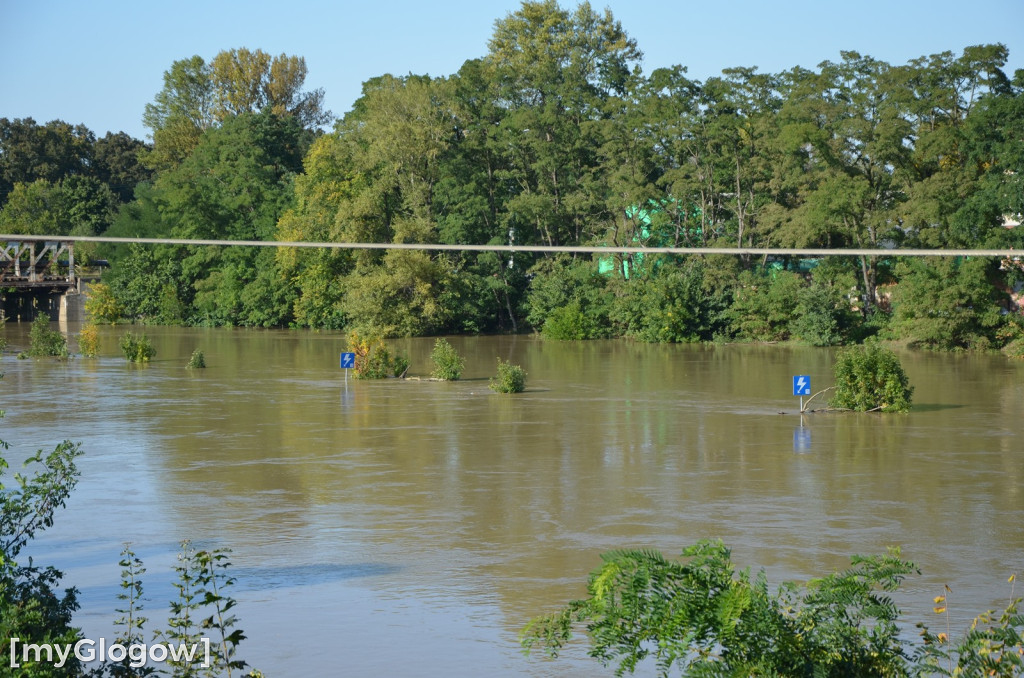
99, 62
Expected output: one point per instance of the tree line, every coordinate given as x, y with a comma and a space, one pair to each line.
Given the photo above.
558, 137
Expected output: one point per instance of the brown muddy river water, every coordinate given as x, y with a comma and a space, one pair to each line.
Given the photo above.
412, 527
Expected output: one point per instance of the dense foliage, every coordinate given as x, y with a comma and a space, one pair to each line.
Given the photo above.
33, 607
137, 348
509, 379
448, 364
374, 359
556, 136
44, 341
870, 377
701, 616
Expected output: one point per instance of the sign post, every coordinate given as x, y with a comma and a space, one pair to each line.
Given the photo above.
348, 362
801, 387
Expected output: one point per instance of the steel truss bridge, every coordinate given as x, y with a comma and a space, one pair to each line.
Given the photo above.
29, 263
53, 246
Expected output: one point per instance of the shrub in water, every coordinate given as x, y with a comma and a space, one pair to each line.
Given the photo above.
870, 377
137, 347
89, 340
373, 359
510, 378
45, 342
198, 360
448, 363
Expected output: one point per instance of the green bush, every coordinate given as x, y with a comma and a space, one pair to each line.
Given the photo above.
945, 303
373, 359
671, 307
448, 364
510, 378
399, 365
764, 305
100, 305
700, 616
198, 360
870, 377
45, 342
568, 300
823, 315
136, 347
568, 323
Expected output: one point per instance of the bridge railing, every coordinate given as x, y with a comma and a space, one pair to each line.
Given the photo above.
34, 263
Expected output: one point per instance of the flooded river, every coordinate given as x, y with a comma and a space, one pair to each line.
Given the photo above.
413, 527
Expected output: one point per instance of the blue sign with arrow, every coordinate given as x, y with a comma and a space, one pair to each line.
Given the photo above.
802, 385
348, 361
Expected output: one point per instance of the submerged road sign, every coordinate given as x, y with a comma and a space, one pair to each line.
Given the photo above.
801, 385
348, 361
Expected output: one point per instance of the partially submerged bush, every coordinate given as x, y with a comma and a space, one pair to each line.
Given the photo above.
373, 359
869, 378
137, 348
510, 378
448, 364
89, 340
198, 360
45, 342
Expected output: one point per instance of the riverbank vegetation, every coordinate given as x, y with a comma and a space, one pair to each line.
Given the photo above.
701, 616
557, 136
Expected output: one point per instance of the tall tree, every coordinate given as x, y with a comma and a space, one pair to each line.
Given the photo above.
850, 127
198, 96
252, 81
941, 93
116, 163
554, 69
234, 185
29, 151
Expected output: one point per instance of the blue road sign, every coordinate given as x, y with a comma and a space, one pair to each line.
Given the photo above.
802, 385
348, 361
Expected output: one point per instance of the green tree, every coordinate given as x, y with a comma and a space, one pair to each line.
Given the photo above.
946, 303
76, 205
116, 160
235, 185
941, 95
51, 152
847, 125
870, 378
448, 364
554, 68
703, 617
764, 305
33, 208
198, 96
251, 81
32, 606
